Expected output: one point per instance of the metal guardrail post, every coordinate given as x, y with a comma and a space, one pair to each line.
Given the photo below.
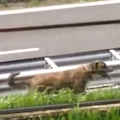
115, 55
49, 63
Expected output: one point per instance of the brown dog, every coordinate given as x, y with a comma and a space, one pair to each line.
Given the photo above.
75, 79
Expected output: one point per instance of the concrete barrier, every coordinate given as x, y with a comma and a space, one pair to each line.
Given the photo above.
62, 14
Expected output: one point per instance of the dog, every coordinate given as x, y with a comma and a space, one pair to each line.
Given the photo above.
75, 79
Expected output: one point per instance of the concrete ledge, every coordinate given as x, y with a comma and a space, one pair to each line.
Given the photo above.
62, 14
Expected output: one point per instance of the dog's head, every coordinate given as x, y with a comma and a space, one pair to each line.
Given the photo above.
100, 67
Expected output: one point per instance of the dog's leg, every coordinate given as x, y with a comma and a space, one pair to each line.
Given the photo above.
83, 93
41, 88
78, 87
85, 86
32, 88
48, 89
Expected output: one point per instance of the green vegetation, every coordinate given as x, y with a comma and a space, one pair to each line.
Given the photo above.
63, 96
77, 114
14, 4
66, 96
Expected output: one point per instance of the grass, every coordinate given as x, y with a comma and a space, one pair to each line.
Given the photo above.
77, 114
63, 96
35, 3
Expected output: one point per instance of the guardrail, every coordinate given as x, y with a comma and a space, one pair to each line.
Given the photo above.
72, 59
54, 68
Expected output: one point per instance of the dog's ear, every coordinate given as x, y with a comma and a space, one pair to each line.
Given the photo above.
94, 65
101, 65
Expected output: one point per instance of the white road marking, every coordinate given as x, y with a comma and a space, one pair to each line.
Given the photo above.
18, 51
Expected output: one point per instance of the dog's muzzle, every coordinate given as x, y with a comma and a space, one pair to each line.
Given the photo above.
108, 69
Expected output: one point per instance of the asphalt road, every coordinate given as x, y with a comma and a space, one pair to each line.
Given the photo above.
59, 41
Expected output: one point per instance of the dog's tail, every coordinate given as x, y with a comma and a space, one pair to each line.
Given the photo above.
12, 83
